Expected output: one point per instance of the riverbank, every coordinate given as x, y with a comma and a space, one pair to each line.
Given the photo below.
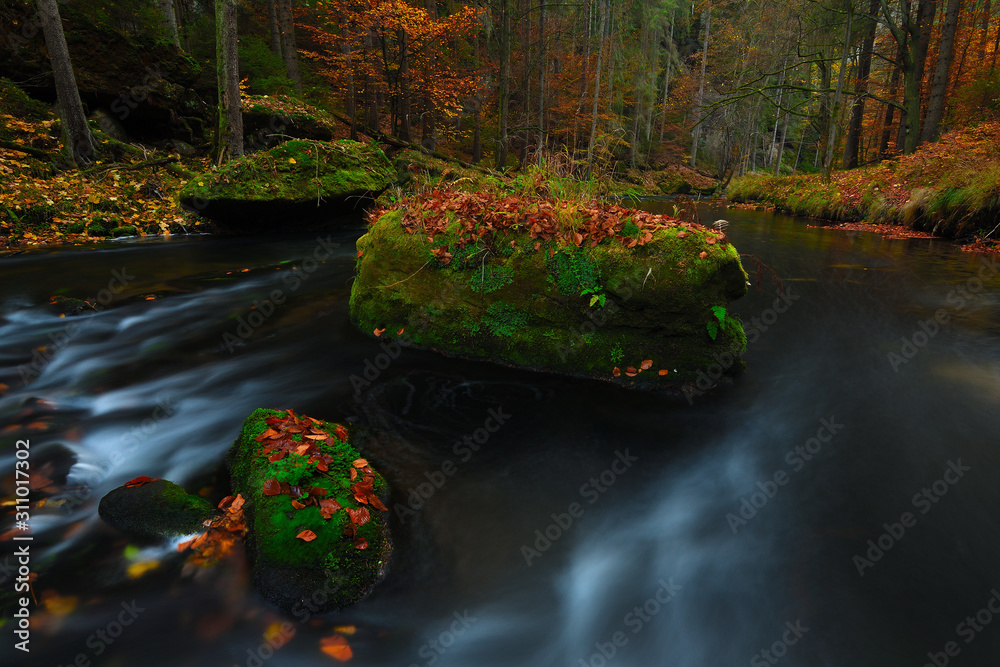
950, 188
133, 190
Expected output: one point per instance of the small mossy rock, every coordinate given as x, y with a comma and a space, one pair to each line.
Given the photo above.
514, 298
155, 509
267, 190
328, 572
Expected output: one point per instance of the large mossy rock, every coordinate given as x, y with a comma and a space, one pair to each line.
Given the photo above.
298, 181
153, 508
328, 490
588, 291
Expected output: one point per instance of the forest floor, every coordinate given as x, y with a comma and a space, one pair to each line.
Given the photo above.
947, 188
128, 195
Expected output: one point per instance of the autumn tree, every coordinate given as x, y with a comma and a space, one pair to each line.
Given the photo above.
76, 134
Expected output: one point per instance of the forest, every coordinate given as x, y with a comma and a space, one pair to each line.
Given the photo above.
521, 333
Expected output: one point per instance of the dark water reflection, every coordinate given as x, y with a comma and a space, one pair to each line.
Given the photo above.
460, 591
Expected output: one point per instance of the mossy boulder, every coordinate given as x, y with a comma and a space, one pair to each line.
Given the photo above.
300, 181
154, 508
583, 290
326, 494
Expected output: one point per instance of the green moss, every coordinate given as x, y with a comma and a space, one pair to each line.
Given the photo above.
296, 171
124, 231
274, 522
656, 297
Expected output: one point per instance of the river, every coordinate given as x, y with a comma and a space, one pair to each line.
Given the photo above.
836, 505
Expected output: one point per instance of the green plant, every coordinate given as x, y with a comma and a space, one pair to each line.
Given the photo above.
617, 354
630, 229
503, 319
491, 278
597, 295
723, 322
574, 271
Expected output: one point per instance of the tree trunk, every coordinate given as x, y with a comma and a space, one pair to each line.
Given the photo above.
404, 87
170, 21
351, 102
985, 36
541, 78
883, 149
834, 117
946, 54
603, 9
289, 50
428, 129
76, 134
230, 135
275, 29
696, 133
502, 139
853, 140
903, 30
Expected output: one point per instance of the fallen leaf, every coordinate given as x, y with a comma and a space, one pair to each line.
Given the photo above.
336, 647
663, 371
272, 487
139, 481
306, 536
703, 254
617, 372
361, 544
359, 517
136, 570
646, 364
379, 332
359, 463
631, 371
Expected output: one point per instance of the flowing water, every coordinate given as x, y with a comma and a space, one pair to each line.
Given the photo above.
836, 505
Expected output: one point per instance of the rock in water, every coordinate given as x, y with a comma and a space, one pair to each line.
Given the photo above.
317, 526
297, 181
152, 508
580, 289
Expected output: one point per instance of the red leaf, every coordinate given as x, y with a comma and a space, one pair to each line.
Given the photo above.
359, 463
631, 371
272, 487
377, 504
646, 364
617, 372
139, 481
359, 517
361, 543
306, 536
341, 433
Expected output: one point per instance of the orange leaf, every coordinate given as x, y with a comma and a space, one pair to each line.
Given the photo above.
306, 536
646, 364
361, 544
238, 502
379, 332
703, 254
663, 371
631, 371
400, 332
617, 372
359, 463
272, 487
336, 647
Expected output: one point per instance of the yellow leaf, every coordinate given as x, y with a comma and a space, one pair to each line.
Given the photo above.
57, 605
291, 160
136, 570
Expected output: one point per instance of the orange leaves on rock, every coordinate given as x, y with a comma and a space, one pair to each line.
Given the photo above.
139, 481
222, 535
327, 507
336, 647
360, 516
306, 536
